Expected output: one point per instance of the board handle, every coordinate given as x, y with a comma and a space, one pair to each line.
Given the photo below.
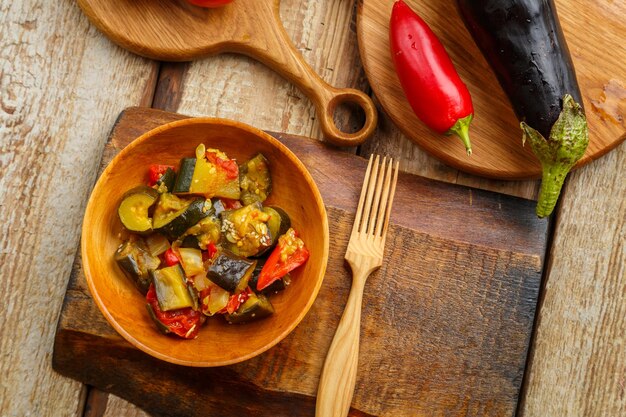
272, 46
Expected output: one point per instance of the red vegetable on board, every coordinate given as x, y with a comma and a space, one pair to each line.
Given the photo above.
430, 82
184, 322
170, 258
289, 254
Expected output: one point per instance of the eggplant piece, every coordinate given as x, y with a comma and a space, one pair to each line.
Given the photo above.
246, 230
171, 288
168, 179
255, 180
136, 263
231, 272
205, 232
523, 42
173, 216
256, 307
278, 224
133, 211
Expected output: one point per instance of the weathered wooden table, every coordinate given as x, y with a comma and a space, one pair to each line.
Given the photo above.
62, 84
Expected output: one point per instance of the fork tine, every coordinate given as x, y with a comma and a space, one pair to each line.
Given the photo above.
359, 209
376, 207
391, 195
370, 194
385, 197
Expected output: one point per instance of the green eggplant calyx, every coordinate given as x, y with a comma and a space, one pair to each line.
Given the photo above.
567, 143
461, 129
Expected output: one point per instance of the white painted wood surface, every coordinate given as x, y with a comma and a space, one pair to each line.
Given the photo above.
62, 85
578, 367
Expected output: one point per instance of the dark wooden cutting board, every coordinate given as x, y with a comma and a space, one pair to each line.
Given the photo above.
446, 325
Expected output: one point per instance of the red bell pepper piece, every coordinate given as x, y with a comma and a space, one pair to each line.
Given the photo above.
184, 322
155, 172
236, 300
210, 252
289, 254
170, 258
430, 82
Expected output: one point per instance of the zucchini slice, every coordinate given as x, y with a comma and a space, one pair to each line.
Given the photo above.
202, 177
168, 179
171, 288
173, 216
255, 180
245, 230
134, 208
231, 272
136, 263
185, 175
256, 307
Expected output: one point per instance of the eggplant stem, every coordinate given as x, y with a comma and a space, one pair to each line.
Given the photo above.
558, 153
461, 129
552, 181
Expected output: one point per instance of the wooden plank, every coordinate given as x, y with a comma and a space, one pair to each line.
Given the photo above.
496, 137
579, 358
463, 295
62, 88
240, 88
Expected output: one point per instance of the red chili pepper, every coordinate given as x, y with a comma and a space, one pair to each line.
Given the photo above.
275, 268
228, 165
184, 322
170, 258
430, 82
155, 172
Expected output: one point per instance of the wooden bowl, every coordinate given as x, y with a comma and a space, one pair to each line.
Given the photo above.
218, 342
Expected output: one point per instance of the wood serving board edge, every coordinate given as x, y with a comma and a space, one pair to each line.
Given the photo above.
486, 251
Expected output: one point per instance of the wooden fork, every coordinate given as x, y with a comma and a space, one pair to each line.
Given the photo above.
365, 255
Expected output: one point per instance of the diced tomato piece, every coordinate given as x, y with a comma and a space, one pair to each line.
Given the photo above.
210, 252
228, 165
170, 258
155, 172
231, 204
184, 322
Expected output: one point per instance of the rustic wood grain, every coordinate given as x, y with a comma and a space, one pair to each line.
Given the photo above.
178, 31
598, 55
467, 292
391, 141
61, 87
242, 89
579, 359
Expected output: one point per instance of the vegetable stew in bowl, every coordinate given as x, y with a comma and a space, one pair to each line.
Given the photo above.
225, 247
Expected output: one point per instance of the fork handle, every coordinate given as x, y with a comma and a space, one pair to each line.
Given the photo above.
336, 387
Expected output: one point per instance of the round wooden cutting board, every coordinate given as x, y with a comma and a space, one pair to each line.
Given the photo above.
174, 30
596, 36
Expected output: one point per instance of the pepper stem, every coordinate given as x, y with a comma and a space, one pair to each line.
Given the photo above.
567, 143
461, 129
